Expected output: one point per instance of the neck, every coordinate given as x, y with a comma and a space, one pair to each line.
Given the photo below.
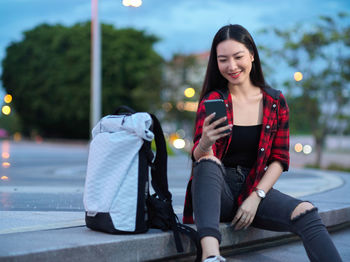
243, 91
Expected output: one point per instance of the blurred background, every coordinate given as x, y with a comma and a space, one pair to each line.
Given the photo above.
153, 58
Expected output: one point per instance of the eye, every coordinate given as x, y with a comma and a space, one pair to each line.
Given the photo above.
222, 60
239, 57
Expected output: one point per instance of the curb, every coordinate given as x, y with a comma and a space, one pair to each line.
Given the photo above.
82, 244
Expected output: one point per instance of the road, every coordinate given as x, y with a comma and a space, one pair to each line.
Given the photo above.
42, 177
50, 177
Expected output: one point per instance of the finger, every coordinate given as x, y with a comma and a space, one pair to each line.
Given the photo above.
240, 224
219, 121
237, 216
208, 119
249, 223
244, 222
223, 130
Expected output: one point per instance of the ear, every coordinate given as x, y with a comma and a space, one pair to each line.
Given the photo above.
252, 57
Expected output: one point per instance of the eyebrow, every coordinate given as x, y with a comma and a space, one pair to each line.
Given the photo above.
233, 54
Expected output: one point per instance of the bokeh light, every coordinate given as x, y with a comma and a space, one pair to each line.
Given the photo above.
173, 137
5, 155
181, 133
167, 106
137, 3
126, 3
307, 149
6, 110
6, 164
4, 178
298, 76
179, 143
133, 3
298, 147
8, 98
17, 137
180, 106
191, 106
189, 92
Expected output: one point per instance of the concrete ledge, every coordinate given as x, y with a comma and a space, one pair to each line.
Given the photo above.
82, 244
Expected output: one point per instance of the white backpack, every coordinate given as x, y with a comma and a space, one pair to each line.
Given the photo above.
116, 195
117, 173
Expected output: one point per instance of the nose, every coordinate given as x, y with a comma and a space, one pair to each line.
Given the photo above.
232, 65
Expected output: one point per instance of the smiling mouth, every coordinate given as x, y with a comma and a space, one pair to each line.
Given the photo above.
235, 75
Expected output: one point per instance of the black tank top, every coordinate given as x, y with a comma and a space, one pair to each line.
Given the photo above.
243, 148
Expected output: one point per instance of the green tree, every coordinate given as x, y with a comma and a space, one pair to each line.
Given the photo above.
48, 75
10, 123
322, 53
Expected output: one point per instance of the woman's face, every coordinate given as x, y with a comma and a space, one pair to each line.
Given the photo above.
234, 62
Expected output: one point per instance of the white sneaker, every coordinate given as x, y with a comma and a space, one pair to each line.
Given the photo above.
215, 259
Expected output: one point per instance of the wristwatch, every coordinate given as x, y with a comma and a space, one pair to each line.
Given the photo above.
261, 193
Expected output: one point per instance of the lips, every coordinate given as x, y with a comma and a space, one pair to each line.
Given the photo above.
235, 75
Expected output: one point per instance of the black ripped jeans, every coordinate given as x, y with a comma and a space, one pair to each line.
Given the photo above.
214, 193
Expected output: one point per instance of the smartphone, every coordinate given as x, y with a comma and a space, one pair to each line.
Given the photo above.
217, 106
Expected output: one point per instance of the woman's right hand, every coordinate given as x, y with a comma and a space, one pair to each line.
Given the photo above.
210, 133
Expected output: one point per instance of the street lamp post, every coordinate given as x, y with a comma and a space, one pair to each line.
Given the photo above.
95, 99
95, 102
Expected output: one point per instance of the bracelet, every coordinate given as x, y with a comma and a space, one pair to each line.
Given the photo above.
201, 149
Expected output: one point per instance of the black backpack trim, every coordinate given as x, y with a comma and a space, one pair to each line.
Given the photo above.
160, 207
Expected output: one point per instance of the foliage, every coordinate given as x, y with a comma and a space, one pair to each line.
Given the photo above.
48, 75
320, 102
10, 123
299, 122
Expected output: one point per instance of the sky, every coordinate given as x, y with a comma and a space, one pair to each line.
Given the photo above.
184, 26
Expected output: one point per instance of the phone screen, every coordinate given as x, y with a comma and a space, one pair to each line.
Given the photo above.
217, 106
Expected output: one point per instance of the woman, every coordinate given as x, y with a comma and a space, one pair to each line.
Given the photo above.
234, 172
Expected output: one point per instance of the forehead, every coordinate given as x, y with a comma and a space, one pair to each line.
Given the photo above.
230, 47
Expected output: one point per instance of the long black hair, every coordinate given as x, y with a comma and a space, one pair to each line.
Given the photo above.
213, 78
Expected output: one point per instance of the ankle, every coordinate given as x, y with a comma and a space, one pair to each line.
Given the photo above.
210, 247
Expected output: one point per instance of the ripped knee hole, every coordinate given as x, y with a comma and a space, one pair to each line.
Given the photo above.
302, 209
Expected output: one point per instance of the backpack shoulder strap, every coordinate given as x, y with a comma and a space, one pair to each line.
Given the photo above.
159, 167
160, 186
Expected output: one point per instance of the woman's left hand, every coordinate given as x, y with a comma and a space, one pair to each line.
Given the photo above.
246, 212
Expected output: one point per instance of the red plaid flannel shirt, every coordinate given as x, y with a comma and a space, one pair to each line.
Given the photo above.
273, 144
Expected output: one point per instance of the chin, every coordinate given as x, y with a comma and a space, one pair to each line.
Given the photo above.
235, 81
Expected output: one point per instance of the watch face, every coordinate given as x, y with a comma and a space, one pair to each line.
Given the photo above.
261, 193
